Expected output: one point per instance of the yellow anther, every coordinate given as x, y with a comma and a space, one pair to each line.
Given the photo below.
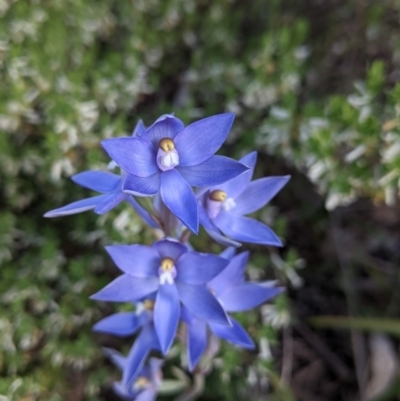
166, 144
141, 382
148, 304
167, 264
218, 195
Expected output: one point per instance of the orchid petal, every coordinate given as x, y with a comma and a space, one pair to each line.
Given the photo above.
213, 230
142, 212
232, 275
237, 185
145, 342
140, 129
199, 300
137, 156
169, 248
76, 207
166, 126
197, 268
116, 358
135, 260
166, 315
148, 394
120, 324
127, 289
258, 194
178, 196
228, 253
213, 171
246, 296
201, 139
100, 181
196, 342
142, 186
110, 202
235, 334
245, 229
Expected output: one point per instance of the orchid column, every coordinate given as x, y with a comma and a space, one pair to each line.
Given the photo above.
168, 282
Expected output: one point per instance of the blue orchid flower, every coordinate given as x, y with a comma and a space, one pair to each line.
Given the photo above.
128, 323
110, 186
222, 207
173, 275
235, 295
169, 158
146, 383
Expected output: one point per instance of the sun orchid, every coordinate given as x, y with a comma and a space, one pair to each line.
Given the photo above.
222, 208
171, 273
170, 158
145, 384
235, 295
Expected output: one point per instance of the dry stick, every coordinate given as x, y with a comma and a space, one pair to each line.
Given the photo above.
195, 391
324, 351
287, 360
357, 338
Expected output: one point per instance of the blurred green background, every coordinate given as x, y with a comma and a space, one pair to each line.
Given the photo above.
313, 87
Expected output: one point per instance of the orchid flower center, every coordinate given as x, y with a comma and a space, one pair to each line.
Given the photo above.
140, 383
148, 304
167, 271
217, 196
216, 200
167, 155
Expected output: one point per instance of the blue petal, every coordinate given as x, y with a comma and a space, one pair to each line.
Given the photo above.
100, 181
124, 392
178, 196
145, 342
167, 310
127, 289
213, 171
135, 260
246, 296
137, 156
143, 213
199, 300
140, 186
155, 365
169, 248
110, 202
116, 358
245, 229
258, 194
216, 236
228, 253
148, 394
232, 275
212, 229
235, 334
76, 207
236, 186
166, 126
196, 342
200, 140
120, 324
197, 268
140, 129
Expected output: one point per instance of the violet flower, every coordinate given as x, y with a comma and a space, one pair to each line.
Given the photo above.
169, 158
235, 295
222, 207
145, 385
128, 323
171, 274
